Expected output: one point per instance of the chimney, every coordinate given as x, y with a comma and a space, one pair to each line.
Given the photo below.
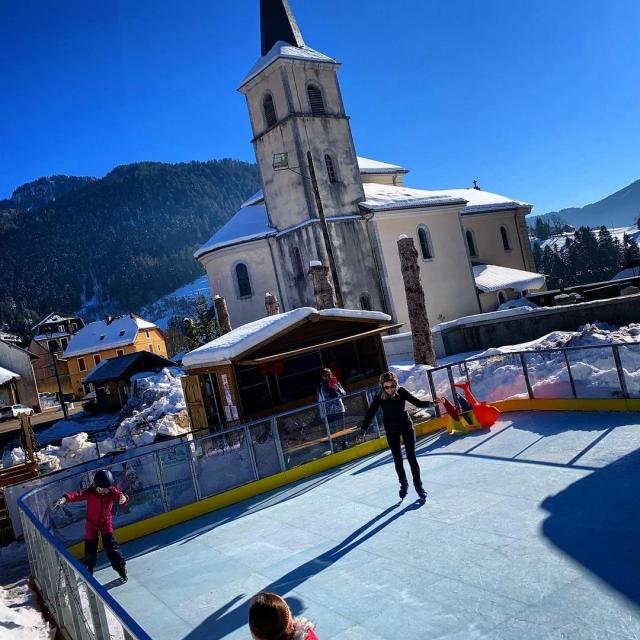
422, 346
108, 320
222, 313
322, 287
271, 304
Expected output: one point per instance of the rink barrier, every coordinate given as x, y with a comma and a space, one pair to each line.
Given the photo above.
227, 467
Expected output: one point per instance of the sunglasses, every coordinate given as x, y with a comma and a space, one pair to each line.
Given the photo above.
393, 385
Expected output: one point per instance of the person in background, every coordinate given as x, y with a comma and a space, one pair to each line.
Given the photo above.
330, 403
398, 427
100, 497
271, 619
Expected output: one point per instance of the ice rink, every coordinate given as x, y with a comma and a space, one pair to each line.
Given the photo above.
531, 530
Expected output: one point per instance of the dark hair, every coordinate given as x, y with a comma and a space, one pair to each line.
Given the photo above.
104, 479
270, 617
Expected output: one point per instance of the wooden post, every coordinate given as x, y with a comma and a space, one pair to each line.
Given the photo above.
222, 313
322, 288
271, 304
422, 346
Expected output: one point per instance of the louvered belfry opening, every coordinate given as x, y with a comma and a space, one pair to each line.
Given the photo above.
269, 110
315, 100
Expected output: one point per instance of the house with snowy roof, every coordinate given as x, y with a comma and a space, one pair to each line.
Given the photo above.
110, 338
320, 201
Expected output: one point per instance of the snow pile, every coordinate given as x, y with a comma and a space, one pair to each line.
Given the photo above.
18, 612
497, 374
518, 303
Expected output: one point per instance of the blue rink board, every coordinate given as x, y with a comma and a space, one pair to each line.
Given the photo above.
531, 530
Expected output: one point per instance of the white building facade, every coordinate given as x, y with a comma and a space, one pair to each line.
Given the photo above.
321, 202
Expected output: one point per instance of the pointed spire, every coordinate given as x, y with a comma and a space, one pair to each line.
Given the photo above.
277, 23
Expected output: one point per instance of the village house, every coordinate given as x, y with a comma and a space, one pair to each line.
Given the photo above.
52, 335
320, 201
109, 338
17, 380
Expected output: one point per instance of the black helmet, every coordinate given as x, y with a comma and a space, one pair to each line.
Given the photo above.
104, 479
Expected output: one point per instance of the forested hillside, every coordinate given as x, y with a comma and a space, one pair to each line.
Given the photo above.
116, 243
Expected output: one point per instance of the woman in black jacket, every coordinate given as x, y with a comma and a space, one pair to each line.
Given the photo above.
397, 425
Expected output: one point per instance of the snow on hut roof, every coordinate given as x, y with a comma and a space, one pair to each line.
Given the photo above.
245, 338
54, 317
250, 223
100, 335
366, 165
283, 49
6, 375
383, 197
490, 277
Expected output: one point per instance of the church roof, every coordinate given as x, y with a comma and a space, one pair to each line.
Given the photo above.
490, 277
383, 197
6, 375
250, 223
366, 165
277, 22
283, 49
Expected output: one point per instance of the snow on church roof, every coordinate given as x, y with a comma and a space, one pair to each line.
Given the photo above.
383, 197
366, 165
6, 375
283, 49
99, 335
250, 223
241, 340
490, 277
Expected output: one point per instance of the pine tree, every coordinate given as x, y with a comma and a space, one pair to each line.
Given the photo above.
202, 327
542, 229
537, 256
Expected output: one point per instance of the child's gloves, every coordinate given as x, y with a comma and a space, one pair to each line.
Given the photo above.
122, 499
59, 502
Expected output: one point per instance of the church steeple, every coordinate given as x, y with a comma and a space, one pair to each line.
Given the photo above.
278, 23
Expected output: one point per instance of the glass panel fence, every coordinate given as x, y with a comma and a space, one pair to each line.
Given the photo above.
222, 462
496, 378
303, 435
177, 476
594, 373
548, 374
442, 384
630, 362
345, 418
265, 448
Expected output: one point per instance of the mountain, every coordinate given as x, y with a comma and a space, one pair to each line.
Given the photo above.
42, 191
620, 209
114, 244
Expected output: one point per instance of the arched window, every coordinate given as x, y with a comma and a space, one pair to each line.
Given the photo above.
471, 243
269, 110
242, 278
331, 170
365, 302
315, 100
505, 239
296, 259
426, 248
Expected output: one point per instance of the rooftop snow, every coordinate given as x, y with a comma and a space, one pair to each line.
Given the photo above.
382, 197
250, 223
6, 375
250, 335
98, 336
490, 277
285, 50
54, 317
367, 165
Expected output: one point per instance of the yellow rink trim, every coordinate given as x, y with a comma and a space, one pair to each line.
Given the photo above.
238, 494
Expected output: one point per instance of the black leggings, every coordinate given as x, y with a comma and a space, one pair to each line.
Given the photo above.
408, 436
111, 547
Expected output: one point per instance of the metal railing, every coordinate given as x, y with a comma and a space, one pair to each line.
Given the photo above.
187, 471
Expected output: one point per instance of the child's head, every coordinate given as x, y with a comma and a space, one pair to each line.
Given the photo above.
326, 374
270, 618
103, 481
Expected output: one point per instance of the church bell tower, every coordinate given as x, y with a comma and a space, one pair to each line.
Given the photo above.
308, 165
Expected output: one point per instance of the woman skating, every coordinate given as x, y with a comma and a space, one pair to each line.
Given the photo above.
398, 427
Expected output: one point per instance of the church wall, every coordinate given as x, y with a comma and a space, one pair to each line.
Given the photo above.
447, 279
488, 241
393, 179
220, 267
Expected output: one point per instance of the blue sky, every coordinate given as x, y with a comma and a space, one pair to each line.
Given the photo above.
537, 99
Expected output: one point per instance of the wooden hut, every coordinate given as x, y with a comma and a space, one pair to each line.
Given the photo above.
274, 364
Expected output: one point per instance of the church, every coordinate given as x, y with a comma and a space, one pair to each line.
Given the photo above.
321, 202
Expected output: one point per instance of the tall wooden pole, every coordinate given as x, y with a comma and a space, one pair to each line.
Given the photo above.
222, 313
322, 288
271, 304
422, 345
